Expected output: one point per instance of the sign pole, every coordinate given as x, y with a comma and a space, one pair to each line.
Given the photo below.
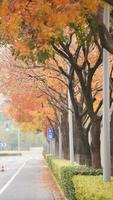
47, 146
50, 137
53, 146
50, 146
106, 106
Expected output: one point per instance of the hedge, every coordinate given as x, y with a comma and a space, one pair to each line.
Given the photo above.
64, 173
92, 188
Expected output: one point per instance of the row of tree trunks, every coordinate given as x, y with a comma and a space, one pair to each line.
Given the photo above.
84, 153
81, 144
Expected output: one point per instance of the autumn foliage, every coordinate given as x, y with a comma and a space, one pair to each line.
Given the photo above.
27, 96
31, 26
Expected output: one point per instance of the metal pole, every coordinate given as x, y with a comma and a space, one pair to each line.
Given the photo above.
50, 143
47, 146
70, 120
106, 109
53, 146
60, 138
18, 140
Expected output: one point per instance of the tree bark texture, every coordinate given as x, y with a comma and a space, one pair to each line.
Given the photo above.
56, 146
95, 143
111, 142
65, 134
81, 144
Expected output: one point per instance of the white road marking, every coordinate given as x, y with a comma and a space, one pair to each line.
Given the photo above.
12, 178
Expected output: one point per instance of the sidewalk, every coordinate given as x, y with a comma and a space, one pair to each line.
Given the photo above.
49, 183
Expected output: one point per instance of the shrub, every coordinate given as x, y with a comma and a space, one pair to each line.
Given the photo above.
84, 170
92, 188
64, 172
67, 174
66, 182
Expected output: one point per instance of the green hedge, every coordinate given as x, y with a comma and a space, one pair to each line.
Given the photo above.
92, 188
64, 173
66, 182
80, 182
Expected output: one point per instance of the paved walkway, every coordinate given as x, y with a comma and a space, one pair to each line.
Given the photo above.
49, 183
33, 182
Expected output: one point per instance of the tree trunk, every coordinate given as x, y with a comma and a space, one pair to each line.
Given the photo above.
56, 146
81, 145
65, 134
111, 142
65, 145
95, 142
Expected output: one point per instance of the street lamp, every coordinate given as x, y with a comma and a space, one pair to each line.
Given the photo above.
106, 106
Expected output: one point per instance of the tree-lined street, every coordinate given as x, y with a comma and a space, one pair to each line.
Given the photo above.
56, 91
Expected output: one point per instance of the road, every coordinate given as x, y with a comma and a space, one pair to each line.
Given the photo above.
23, 179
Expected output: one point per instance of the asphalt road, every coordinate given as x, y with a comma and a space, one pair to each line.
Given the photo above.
22, 179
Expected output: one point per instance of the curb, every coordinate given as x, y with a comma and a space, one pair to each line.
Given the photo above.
10, 154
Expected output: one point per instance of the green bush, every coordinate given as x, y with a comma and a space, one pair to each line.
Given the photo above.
56, 165
92, 188
66, 183
64, 172
84, 170
67, 174
80, 182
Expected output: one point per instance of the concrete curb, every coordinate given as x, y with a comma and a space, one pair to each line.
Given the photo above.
10, 154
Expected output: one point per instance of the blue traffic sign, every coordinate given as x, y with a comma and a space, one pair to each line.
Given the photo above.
2, 145
50, 134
